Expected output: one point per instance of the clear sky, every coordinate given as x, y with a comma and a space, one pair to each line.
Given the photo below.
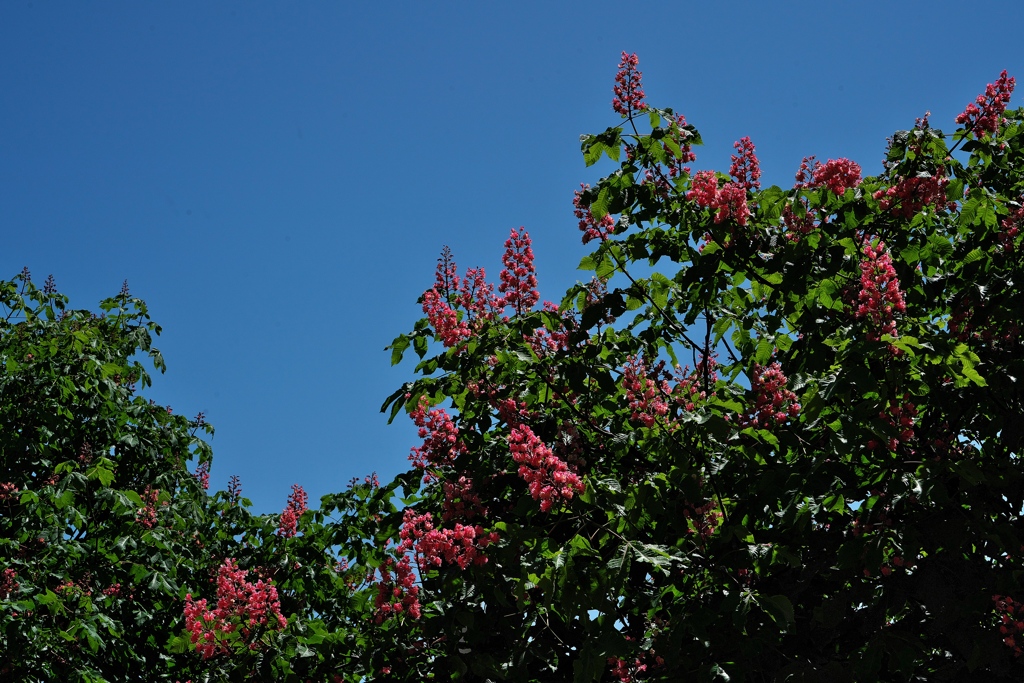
276, 179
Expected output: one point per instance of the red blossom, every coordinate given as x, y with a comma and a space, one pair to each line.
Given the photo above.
293, 510
680, 135
909, 195
146, 515
202, 475
432, 547
590, 227
983, 116
730, 201
549, 477
518, 278
746, 169
901, 414
1011, 226
442, 317
460, 501
241, 606
8, 492
836, 174
690, 387
7, 583
440, 436
645, 394
703, 189
880, 297
773, 402
1011, 621
397, 592
629, 94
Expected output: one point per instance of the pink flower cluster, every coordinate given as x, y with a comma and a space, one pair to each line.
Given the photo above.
1010, 225
837, 175
146, 515
7, 583
745, 169
518, 277
704, 519
730, 201
433, 547
901, 413
202, 475
296, 505
910, 195
591, 228
623, 671
689, 389
444, 319
984, 115
1011, 620
460, 501
798, 221
475, 295
880, 297
440, 436
677, 163
234, 488
397, 592
545, 342
646, 395
8, 492
629, 94
548, 476
968, 322
773, 402
241, 606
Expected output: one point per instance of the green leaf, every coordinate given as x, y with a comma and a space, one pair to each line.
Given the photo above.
104, 475
779, 608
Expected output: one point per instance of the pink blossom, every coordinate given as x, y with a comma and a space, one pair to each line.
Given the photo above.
746, 169
629, 94
773, 402
548, 477
983, 116
837, 175
880, 297
241, 606
518, 277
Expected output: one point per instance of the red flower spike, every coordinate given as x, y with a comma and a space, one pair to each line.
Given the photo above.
294, 509
880, 297
983, 116
746, 169
773, 403
518, 277
549, 478
629, 94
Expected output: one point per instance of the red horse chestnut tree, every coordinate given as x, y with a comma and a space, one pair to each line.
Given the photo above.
791, 451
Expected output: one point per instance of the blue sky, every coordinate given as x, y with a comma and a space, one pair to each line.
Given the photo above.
277, 179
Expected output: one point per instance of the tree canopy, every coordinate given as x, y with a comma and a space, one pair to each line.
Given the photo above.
775, 436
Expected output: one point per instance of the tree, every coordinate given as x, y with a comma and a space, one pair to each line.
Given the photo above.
115, 562
97, 511
790, 452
